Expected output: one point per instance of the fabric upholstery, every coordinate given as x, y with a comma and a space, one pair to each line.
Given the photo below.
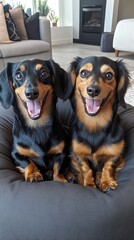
25, 47
11, 28
32, 26
17, 16
58, 211
123, 37
4, 38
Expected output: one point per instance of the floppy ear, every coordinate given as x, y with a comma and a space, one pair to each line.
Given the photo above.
60, 79
6, 94
72, 74
123, 82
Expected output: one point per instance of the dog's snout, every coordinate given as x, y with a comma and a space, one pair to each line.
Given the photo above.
31, 93
93, 90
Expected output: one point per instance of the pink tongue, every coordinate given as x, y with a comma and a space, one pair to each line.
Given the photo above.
92, 105
34, 108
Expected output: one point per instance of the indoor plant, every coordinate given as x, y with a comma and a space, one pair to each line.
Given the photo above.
53, 18
42, 7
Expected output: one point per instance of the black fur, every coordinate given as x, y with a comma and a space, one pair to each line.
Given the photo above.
30, 133
106, 136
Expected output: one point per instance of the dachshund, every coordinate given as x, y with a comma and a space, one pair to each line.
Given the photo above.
97, 86
32, 87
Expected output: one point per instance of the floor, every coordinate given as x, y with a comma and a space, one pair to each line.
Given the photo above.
64, 54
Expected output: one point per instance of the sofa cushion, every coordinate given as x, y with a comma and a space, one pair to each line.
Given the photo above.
32, 26
11, 28
18, 18
25, 47
4, 38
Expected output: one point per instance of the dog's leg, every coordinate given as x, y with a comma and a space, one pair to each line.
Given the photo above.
87, 175
74, 173
31, 173
23, 160
108, 181
57, 176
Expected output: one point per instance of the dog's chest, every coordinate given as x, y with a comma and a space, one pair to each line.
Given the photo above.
96, 146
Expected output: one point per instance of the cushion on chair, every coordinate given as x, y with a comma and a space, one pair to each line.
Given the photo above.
58, 211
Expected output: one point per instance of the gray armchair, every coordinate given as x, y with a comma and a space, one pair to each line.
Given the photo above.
24, 49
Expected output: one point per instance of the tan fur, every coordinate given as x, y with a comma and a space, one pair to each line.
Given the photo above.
29, 152
107, 88
43, 91
56, 175
56, 149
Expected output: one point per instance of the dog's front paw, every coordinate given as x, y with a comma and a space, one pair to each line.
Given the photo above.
106, 186
60, 178
32, 173
34, 177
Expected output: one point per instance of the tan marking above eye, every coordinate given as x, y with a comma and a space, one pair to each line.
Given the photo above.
88, 67
22, 68
105, 68
38, 67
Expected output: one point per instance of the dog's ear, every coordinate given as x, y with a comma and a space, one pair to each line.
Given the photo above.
72, 74
123, 82
6, 93
60, 79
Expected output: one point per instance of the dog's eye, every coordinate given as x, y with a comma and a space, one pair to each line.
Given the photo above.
84, 73
19, 76
108, 76
43, 73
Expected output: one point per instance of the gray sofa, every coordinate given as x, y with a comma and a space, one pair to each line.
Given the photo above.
24, 49
61, 211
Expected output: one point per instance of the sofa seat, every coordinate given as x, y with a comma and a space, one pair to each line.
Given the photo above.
24, 47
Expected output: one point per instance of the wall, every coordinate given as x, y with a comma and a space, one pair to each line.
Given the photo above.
62, 35
66, 11
111, 15
76, 18
126, 9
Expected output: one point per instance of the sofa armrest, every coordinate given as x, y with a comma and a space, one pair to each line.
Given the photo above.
45, 30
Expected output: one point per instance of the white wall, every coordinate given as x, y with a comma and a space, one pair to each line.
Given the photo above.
126, 9
66, 12
111, 15
61, 35
76, 18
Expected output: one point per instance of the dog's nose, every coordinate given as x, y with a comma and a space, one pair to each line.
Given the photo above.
93, 90
31, 93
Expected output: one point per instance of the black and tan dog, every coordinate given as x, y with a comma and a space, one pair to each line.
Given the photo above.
32, 87
97, 85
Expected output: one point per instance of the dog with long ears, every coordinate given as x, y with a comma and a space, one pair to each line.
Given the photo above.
97, 86
32, 87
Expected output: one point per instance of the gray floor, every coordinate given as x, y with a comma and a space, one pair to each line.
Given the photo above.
64, 54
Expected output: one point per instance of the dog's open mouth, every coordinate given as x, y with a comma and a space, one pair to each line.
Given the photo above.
34, 107
93, 105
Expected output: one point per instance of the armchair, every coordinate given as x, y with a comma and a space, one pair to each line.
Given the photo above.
124, 36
